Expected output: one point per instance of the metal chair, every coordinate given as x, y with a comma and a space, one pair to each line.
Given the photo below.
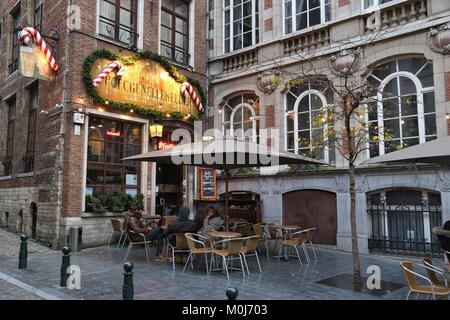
297, 239
197, 247
259, 231
118, 228
274, 236
229, 250
181, 246
308, 240
246, 230
433, 271
415, 288
132, 243
250, 250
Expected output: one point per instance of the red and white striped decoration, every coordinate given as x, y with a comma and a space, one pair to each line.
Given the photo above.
188, 88
112, 66
28, 34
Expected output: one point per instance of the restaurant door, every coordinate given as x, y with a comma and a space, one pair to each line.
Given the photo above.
169, 179
312, 209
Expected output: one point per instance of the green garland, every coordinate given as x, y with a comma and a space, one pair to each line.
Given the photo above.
150, 113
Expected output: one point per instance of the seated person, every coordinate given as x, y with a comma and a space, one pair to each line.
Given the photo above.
444, 238
133, 223
213, 221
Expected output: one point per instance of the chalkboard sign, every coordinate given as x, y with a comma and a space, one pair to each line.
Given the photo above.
208, 186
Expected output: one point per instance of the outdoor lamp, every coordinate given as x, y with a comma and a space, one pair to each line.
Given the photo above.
156, 130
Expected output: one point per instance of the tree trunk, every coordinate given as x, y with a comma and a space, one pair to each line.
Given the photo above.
356, 261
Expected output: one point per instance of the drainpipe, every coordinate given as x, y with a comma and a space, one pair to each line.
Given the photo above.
208, 17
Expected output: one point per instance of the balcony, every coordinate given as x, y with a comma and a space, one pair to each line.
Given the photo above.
309, 41
401, 14
240, 61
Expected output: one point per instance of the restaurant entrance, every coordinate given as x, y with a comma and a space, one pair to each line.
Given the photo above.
169, 181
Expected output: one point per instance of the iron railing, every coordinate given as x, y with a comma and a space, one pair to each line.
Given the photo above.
7, 168
28, 164
405, 229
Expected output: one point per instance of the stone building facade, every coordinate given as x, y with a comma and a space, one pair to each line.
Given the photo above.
252, 42
44, 153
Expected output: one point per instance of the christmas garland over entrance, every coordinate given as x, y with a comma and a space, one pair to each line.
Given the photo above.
151, 113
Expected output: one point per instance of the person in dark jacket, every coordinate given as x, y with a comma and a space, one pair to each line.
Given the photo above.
133, 223
443, 236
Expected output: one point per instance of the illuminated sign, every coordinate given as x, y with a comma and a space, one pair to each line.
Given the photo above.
113, 133
146, 84
165, 145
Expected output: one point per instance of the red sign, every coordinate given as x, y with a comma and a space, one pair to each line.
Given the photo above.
113, 133
165, 145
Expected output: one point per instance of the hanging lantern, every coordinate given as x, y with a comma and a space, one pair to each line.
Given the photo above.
439, 39
156, 130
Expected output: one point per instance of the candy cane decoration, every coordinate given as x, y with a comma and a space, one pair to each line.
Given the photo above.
29, 33
113, 65
188, 88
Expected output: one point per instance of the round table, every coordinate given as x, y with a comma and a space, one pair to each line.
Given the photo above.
223, 235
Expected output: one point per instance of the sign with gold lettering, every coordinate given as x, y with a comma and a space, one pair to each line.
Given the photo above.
146, 84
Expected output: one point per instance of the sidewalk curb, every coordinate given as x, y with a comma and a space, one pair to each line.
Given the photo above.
40, 293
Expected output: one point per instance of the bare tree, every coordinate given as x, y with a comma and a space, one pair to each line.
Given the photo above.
345, 119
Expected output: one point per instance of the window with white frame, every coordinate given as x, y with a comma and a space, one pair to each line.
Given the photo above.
369, 4
241, 21
404, 113
306, 132
303, 14
240, 117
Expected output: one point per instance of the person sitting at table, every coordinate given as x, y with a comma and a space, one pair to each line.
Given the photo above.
443, 235
133, 222
213, 221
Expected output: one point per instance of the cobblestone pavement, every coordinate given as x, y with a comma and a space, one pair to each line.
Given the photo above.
11, 292
10, 245
102, 277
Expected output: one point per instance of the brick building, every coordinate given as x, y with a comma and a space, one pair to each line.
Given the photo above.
49, 162
252, 42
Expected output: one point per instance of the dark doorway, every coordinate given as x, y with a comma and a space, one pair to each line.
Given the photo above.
33, 209
169, 179
312, 209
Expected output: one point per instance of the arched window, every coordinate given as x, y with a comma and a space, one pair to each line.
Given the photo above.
305, 132
405, 113
240, 117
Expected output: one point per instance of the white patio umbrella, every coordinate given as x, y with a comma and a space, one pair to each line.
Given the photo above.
224, 154
436, 151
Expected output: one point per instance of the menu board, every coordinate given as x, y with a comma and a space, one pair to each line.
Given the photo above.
208, 184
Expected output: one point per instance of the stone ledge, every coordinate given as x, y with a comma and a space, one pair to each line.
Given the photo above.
86, 215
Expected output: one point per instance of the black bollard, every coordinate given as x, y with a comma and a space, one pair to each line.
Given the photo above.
64, 266
23, 253
232, 293
128, 286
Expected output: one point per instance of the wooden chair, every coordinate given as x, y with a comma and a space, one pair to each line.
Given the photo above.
142, 241
433, 271
118, 228
197, 247
415, 288
229, 250
297, 239
181, 246
259, 231
250, 250
309, 238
